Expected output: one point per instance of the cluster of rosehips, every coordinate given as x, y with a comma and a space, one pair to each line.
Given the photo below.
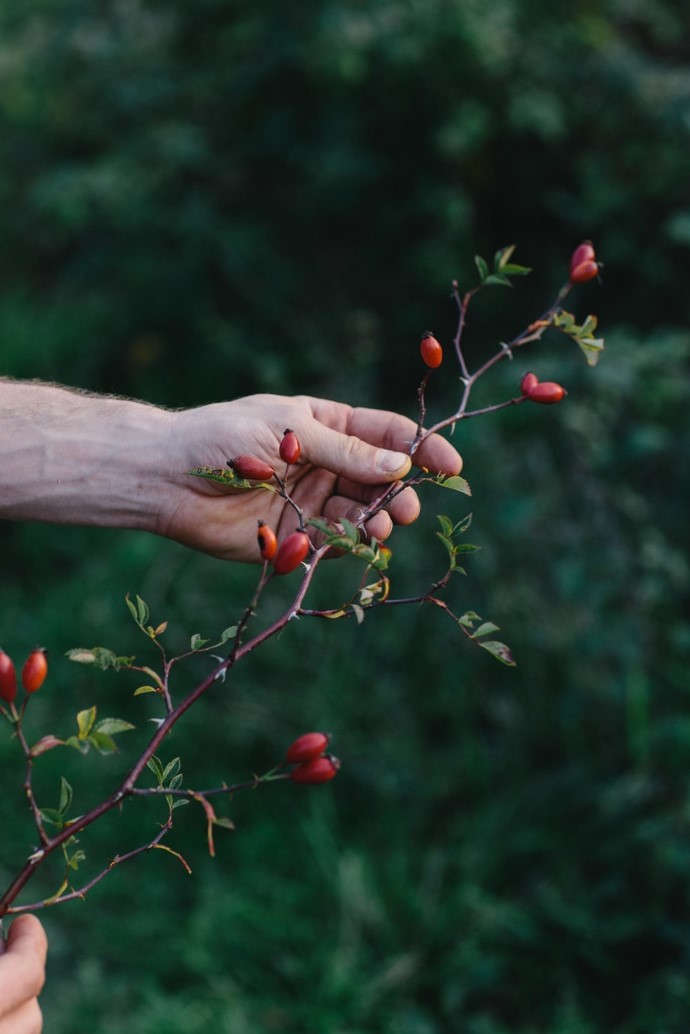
583, 264
312, 764
34, 672
294, 549
546, 392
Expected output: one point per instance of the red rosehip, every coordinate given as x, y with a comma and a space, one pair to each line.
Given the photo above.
35, 670
291, 552
583, 253
290, 447
318, 770
307, 747
268, 543
8, 678
432, 352
528, 382
547, 392
250, 468
584, 271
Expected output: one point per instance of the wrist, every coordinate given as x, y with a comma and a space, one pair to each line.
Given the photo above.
73, 458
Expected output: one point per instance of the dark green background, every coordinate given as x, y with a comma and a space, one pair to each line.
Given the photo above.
201, 200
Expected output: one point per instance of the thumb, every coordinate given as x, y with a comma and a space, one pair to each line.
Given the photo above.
352, 458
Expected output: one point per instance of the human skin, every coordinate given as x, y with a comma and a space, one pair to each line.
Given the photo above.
22, 973
70, 457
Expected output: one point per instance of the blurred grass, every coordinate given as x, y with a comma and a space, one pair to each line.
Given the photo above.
290, 192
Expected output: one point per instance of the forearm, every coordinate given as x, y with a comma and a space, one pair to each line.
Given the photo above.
72, 458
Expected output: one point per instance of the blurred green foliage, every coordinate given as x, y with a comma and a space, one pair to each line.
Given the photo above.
203, 200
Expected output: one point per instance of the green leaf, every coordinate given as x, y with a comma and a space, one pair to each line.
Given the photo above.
448, 543
502, 256
52, 816
484, 629
145, 689
228, 633
466, 547
350, 530
196, 641
171, 769
156, 767
112, 726
469, 619
225, 823
482, 267
104, 744
66, 795
500, 651
85, 720
447, 526
321, 525
455, 483
81, 745
179, 802
498, 280
99, 656
511, 269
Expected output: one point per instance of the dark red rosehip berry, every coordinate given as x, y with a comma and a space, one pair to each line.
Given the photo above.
250, 468
584, 271
8, 678
35, 670
583, 253
431, 350
318, 770
291, 552
307, 747
528, 382
268, 543
547, 392
290, 447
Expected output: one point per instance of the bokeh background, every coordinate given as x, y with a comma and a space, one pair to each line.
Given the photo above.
202, 200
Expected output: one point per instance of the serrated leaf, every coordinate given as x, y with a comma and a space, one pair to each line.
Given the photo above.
145, 689
85, 720
447, 525
104, 744
455, 483
142, 611
66, 795
500, 651
112, 726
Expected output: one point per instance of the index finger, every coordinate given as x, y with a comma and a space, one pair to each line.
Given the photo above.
390, 431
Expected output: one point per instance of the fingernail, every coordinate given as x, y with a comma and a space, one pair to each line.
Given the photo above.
393, 462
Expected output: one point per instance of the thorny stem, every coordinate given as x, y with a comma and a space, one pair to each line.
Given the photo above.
296, 609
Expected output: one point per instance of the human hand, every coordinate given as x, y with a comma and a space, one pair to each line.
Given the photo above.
348, 457
22, 973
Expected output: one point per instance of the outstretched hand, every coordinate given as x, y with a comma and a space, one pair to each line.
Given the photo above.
348, 457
